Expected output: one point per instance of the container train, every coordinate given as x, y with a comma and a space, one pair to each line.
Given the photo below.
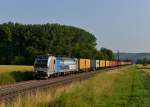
47, 66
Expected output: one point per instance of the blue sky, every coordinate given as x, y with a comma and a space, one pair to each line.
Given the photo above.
117, 24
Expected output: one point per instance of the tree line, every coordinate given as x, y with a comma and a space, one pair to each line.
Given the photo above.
143, 61
21, 43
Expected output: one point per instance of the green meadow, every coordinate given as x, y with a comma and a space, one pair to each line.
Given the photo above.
15, 73
123, 87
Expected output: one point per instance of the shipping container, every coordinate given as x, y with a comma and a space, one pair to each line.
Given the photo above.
107, 64
93, 64
115, 63
119, 63
111, 63
102, 64
88, 64
97, 64
84, 64
122, 63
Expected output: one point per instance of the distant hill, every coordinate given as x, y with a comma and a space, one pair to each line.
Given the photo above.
132, 56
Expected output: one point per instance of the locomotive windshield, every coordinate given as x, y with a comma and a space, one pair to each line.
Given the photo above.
41, 63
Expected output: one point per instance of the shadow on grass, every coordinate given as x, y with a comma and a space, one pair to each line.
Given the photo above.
22, 75
15, 76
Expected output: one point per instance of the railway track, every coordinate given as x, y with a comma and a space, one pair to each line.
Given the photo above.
9, 92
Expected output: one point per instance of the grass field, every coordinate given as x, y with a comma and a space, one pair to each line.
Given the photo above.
11, 68
125, 87
15, 73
